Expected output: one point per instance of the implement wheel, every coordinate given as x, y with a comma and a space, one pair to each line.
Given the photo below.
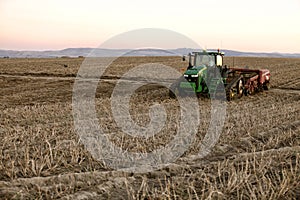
266, 86
240, 88
230, 94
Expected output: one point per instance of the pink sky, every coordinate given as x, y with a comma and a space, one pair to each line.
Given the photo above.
258, 26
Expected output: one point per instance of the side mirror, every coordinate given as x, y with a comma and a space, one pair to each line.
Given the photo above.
183, 58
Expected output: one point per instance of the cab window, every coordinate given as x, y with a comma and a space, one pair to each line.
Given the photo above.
219, 60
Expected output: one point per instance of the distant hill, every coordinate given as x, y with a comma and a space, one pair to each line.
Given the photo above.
75, 52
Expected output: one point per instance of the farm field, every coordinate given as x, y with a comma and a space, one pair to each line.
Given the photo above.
41, 157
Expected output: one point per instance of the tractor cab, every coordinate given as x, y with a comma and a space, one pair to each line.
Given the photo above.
207, 59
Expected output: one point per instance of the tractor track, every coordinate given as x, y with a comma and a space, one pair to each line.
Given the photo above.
88, 79
291, 82
41, 77
103, 182
283, 89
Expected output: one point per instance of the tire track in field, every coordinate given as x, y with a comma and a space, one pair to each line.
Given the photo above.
285, 90
3, 75
281, 89
293, 84
89, 79
101, 183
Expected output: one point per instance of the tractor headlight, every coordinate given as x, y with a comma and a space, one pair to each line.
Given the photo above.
194, 76
185, 75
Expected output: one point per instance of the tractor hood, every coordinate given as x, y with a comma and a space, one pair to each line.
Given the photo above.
196, 70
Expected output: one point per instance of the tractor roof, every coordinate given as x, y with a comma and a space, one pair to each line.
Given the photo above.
209, 53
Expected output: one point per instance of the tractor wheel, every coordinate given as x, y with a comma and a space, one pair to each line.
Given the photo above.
229, 94
198, 94
171, 94
240, 89
176, 91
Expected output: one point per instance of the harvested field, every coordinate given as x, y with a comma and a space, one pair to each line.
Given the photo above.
41, 156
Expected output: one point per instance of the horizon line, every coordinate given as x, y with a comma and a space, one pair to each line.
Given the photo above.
43, 50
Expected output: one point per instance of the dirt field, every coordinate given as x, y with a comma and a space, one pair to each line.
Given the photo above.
41, 156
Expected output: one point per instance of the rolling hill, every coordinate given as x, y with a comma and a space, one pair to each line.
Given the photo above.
75, 52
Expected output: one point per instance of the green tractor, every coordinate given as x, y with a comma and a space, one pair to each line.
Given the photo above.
207, 75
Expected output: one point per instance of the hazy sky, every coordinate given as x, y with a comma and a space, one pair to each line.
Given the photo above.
256, 25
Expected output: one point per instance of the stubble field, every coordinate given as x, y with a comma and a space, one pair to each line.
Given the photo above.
41, 156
